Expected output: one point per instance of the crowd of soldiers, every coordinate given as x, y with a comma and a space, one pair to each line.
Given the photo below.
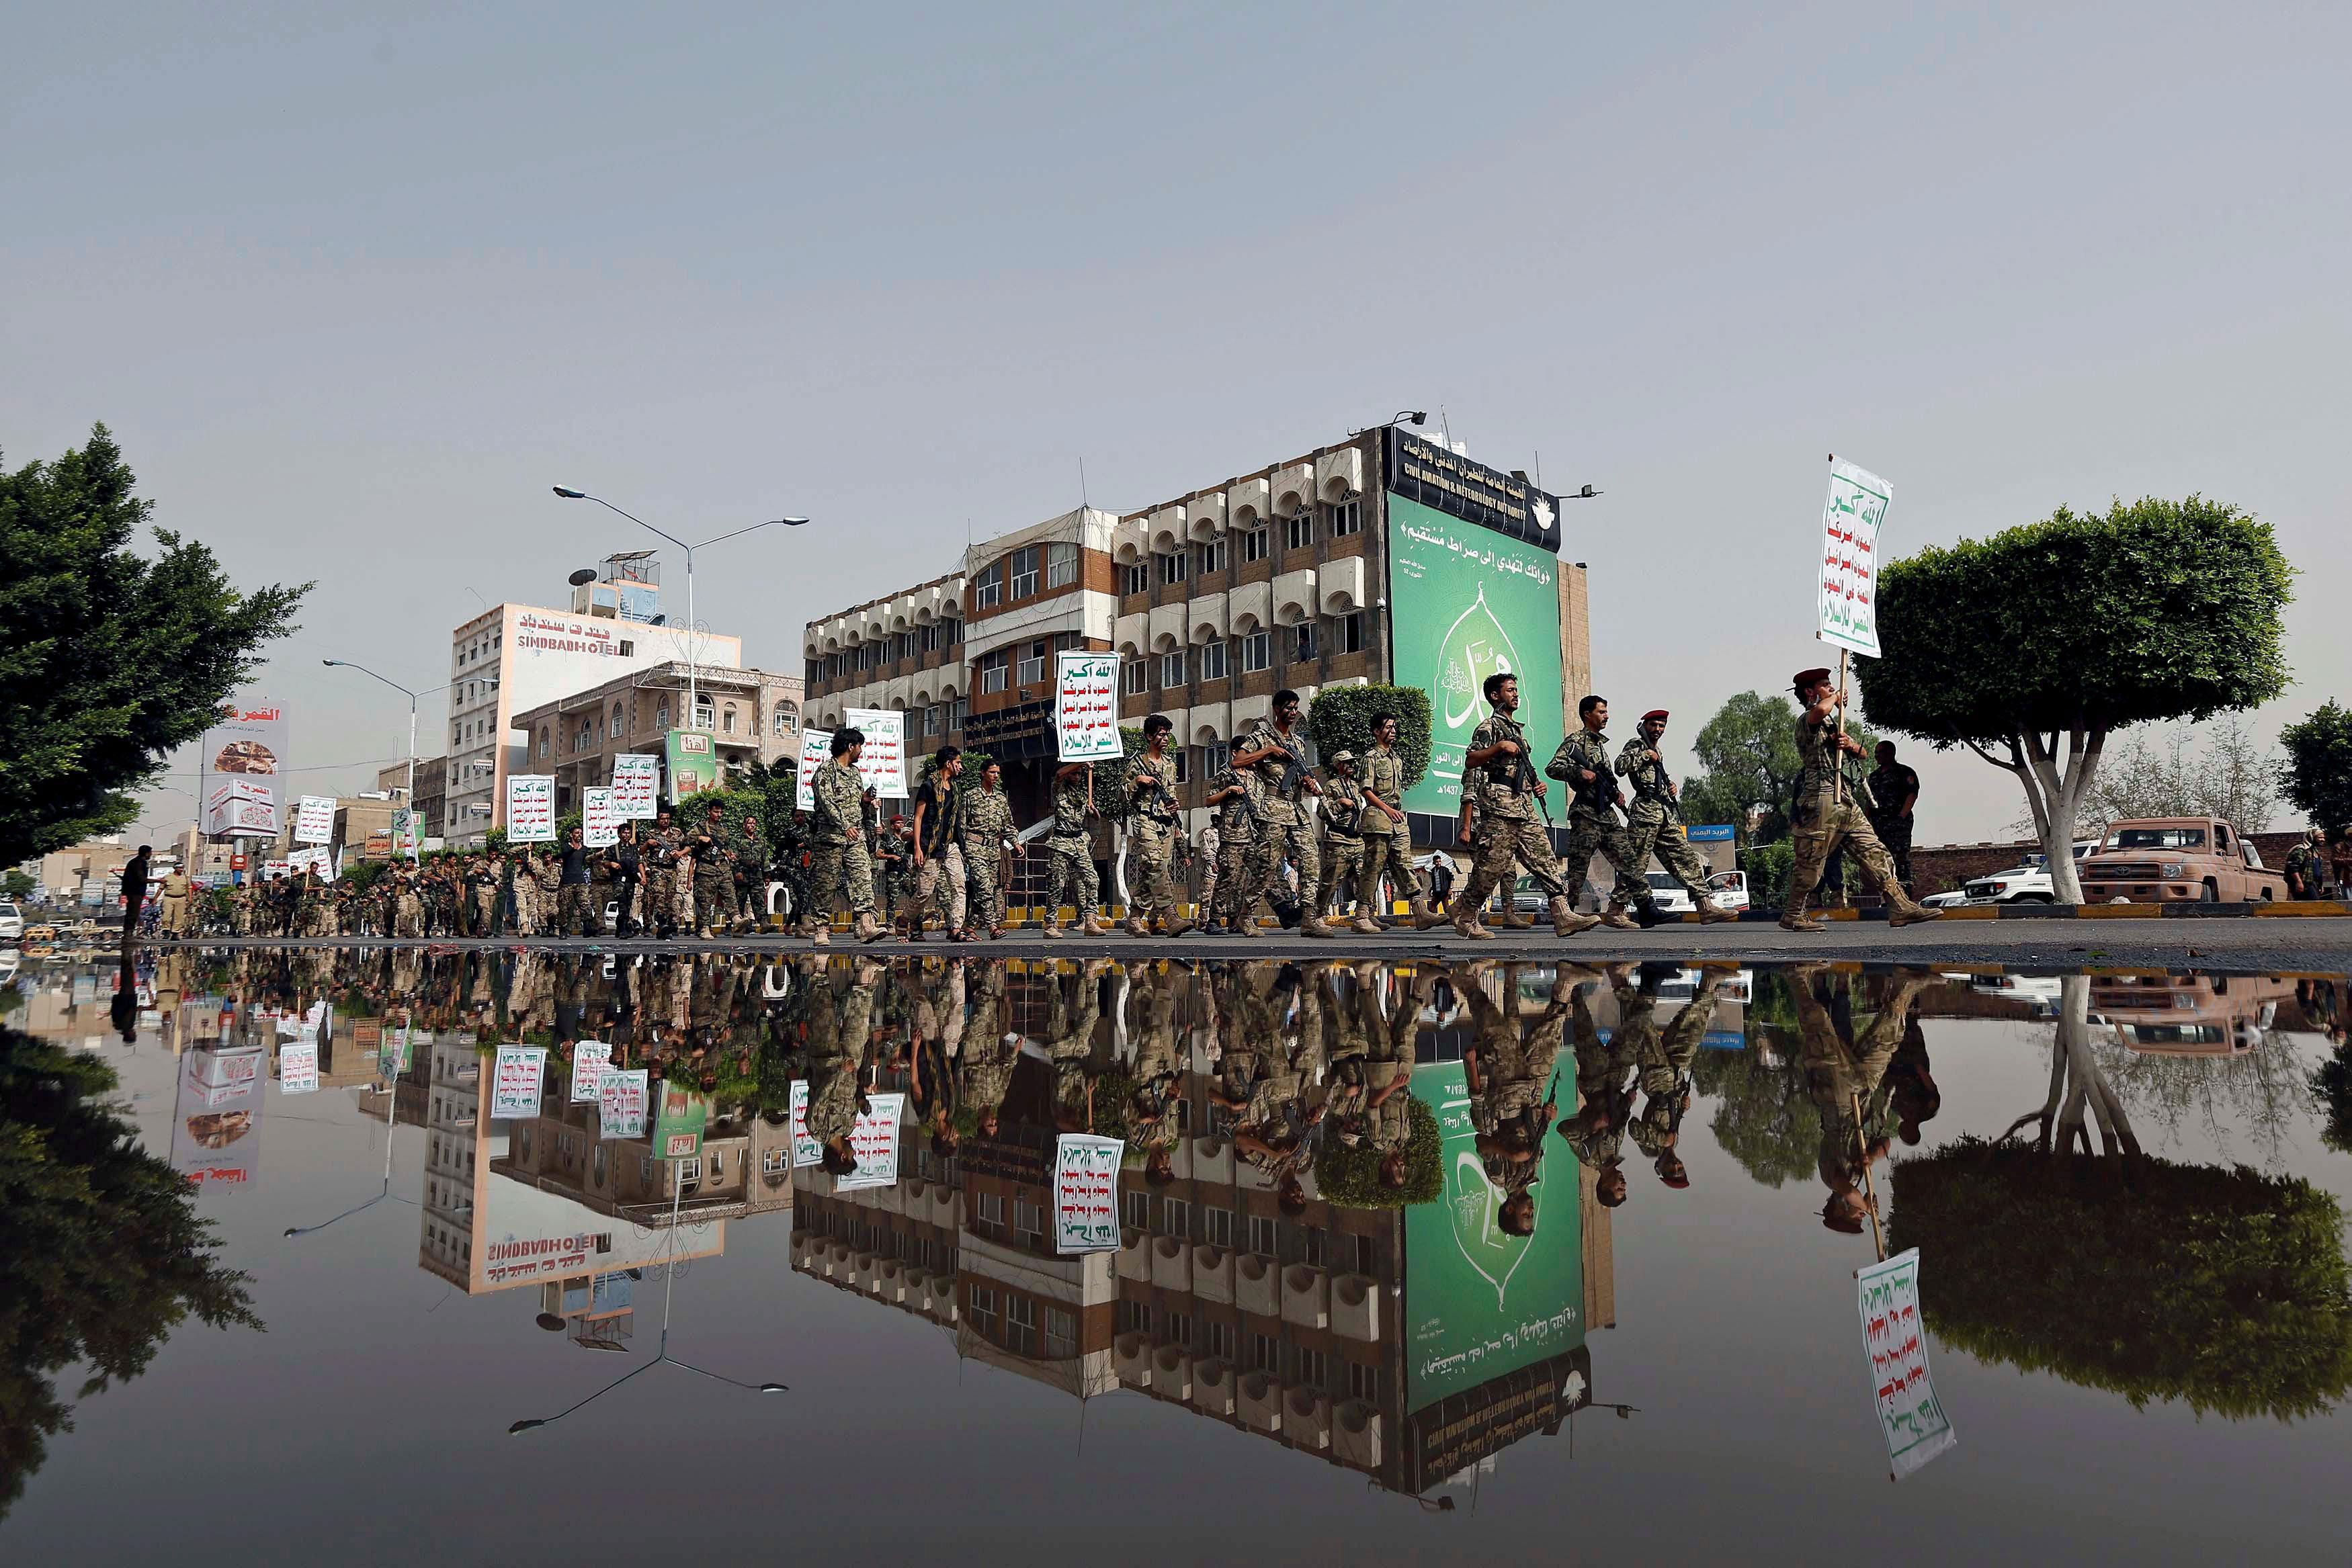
1267, 844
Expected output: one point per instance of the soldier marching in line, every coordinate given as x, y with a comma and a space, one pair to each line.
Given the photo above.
1388, 848
1343, 814
1657, 816
888, 849
1072, 865
1151, 823
837, 860
1828, 817
1271, 751
938, 849
1228, 893
1583, 764
1500, 784
750, 853
985, 827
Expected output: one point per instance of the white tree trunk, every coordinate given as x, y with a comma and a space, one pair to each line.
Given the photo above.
2055, 779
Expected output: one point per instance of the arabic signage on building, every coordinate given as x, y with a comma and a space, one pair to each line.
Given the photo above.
1426, 472
247, 756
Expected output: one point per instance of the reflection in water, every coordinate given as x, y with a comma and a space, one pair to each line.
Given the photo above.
1343, 1227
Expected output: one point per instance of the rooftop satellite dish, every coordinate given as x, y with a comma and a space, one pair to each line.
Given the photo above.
586, 574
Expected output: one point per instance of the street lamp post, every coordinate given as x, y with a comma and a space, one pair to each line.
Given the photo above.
412, 696
570, 495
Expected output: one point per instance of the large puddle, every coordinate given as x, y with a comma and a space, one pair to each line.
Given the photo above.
1257, 1259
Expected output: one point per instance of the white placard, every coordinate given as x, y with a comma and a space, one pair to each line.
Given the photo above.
816, 748
806, 1150
314, 820
637, 786
875, 1141
1908, 1411
883, 762
590, 1058
1849, 558
1086, 708
531, 809
297, 1069
515, 1080
1085, 1193
620, 1103
599, 826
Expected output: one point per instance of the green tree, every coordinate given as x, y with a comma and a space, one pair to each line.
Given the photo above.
2031, 647
108, 660
105, 1253
16, 883
1340, 719
2319, 766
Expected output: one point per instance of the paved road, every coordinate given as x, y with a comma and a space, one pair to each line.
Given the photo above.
2243, 947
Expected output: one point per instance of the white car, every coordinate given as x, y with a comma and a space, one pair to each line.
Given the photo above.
2027, 883
12, 923
1728, 888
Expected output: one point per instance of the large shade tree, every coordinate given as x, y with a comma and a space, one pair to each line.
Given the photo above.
2319, 766
2031, 647
108, 659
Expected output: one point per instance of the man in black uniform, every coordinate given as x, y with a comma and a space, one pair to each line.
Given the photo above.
624, 868
1894, 790
575, 906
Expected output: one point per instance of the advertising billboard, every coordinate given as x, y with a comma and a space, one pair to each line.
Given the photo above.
1478, 1302
693, 764
246, 759
1468, 603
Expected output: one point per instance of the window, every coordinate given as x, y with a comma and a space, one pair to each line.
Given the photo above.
1135, 677
1298, 532
1181, 757
1172, 668
1209, 556
1304, 649
1135, 577
993, 668
542, 740
1363, 1382
728, 722
1215, 758
992, 1208
1179, 1328
1032, 663
1348, 517
784, 720
628, 648
1028, 1219
1348, 633
1024, 571
1134, 1317
955, 713
1061, 565
587, 733
661, 716
988, 588
1213, 661
1219, 1222
1361, 1247
776, 1162
1171, 567
954, 632
1135, 1209
1257, 653
984, 1311
1255, 544
1221, 1340
934, 719
704, 711
1312, 1370
1176, 1219
1021, 1325
1061, 1333
1265, 1353
1261, 1234
812, 670
1319, 1249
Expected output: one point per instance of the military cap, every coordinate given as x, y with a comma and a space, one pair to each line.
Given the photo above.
1804, 678
1656, 713
1339, 756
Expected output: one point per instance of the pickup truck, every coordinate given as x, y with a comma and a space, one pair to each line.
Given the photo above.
2170, 859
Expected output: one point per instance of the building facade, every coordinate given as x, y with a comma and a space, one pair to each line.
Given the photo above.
751, 715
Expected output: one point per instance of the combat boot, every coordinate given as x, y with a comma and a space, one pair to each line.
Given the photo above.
1567, 922
1136, 927
1465, 922
1420, 914
1515, 918
1177, 928
1367, 924
821, 933
1050, 928
1711, 913
1091, 927
1616, 919
1312, 925
869, 929
1794, 917
1907, 912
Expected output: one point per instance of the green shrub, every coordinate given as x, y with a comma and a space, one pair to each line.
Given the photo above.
1352, 1176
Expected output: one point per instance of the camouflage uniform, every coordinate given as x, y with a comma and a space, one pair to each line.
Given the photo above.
987, 823
1593, 824
1658, 819
1604, 1098
1666, 1064
1072, 870
1283, 828
2302, 863
1157, 1084
1343, 856
714, 878
657, 854
1506, 826
1152, 826
1387, 847
941, 876
1515, 1091
749, 853
988, 1058
839, 1023
1825, 822
837, 859
1237, 884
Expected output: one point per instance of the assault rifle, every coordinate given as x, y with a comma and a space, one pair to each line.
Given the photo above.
1518, 771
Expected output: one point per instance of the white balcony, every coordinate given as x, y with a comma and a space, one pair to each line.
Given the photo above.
1213, 1387
1212, 1274
1306, 1419
1356, 1435
1355, 1307
1131, 1353
1172, 1372
1307, 1296
1261, 1402
1172, 1263
1257, 1285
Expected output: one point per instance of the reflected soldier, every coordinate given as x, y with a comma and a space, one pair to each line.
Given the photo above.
1845, 1073
1666, 1059
1154, 1116
840, 1022
1508, 1069
1604, 1090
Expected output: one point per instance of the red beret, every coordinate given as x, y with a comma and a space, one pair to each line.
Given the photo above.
1656, 713
1804, 678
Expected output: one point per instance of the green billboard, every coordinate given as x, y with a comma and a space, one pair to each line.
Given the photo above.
693, 763
1465, 602
1479, 1303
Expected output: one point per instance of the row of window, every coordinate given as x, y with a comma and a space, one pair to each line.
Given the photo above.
1026, 664
1251, 652
1015, 1325
481, 647
881, 651
708, 714
1029, 570
1209, 557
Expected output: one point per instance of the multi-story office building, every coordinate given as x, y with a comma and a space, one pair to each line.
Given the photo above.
750, 716
1386, 558
904, 650
431, 800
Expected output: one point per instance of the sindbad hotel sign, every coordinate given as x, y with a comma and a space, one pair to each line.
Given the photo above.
537, 633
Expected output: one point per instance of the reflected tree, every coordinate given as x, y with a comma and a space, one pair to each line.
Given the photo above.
2221, 1286
105, 1255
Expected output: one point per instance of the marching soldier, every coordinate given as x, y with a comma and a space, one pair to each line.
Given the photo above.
750, 857
1232, 891
1508, 1069
713, 878
1664, 1056
1604, 1093
1343, 831
837, 860
1827, 817
1582, 763
1071, 852
657, 861
1500, 783
890, 851
1271, 748
1657, 816
937, 848
624, 867
575, 903
1387, 846
1151, 822
986, 823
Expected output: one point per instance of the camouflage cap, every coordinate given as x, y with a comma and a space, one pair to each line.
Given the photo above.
1341, 759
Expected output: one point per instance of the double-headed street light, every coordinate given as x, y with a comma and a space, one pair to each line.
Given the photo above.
570, 495
412, 696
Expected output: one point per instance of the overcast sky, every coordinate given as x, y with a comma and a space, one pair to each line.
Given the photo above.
353, 292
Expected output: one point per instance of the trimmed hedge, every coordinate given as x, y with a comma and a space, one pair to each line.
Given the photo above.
1352, 1176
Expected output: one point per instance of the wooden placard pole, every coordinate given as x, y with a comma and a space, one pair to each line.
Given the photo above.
1837, 747
1869, 1187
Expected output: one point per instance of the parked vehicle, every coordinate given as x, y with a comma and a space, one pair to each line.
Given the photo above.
2187, 1014
1728, 888
12, 923
2172, 860
2026, 883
